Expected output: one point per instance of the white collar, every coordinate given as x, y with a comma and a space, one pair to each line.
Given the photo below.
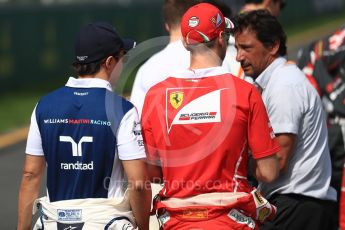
88, 83
199, 73
265, 76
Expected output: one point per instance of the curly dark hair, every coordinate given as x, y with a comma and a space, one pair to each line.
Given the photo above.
266, 27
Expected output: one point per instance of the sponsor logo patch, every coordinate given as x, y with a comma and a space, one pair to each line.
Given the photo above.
165, 217
258, 199
216, 20
193, 22
77, 166
176, 99
137, 133
77, 226
219, 20
69, 214
77, 151
195, 213
81, 93
237, 216
197, 116
82, 58
203, 108
263, 213
76, 121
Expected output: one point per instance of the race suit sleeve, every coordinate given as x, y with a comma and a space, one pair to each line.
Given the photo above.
261, 138
148, 135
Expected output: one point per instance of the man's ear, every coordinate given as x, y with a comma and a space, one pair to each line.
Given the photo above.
222, 38
274, 48
167, 27
184, 43
109, 62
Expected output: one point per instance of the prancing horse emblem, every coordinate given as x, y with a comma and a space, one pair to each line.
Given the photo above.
176, 99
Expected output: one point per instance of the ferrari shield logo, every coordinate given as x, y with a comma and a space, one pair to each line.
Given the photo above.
176, 99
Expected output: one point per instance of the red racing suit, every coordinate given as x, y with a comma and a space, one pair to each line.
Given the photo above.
200, 130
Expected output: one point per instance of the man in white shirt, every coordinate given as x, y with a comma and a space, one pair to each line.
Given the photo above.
302, 192
173, 56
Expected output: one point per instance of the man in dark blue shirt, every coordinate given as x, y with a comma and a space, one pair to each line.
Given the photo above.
83, 133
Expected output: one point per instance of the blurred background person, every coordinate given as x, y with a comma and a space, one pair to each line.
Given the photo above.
173, 56
273, 6
323, 62
302, 192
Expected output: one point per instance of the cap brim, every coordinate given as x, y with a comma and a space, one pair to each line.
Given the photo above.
128, 44
229, 24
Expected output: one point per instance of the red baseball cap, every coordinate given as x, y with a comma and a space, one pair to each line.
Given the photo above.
203, 23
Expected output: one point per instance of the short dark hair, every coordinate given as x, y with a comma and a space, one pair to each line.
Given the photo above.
173, 10
200, 47
91, 68
266, 27
87, 69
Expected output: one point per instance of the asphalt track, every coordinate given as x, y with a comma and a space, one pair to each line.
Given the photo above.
11, 164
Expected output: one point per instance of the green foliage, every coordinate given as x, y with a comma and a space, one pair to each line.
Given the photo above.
321, 23
16, 109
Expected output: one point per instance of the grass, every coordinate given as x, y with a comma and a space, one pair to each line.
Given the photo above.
15, 110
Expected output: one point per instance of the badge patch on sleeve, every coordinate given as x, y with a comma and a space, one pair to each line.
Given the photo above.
165, 217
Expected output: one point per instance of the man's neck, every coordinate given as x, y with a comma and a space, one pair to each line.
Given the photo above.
175, 35
101, 74
202, 61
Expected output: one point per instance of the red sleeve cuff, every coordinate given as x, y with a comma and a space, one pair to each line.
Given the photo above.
266, 153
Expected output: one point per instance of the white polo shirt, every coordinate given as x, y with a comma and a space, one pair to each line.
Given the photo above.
157, 68
294, 107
